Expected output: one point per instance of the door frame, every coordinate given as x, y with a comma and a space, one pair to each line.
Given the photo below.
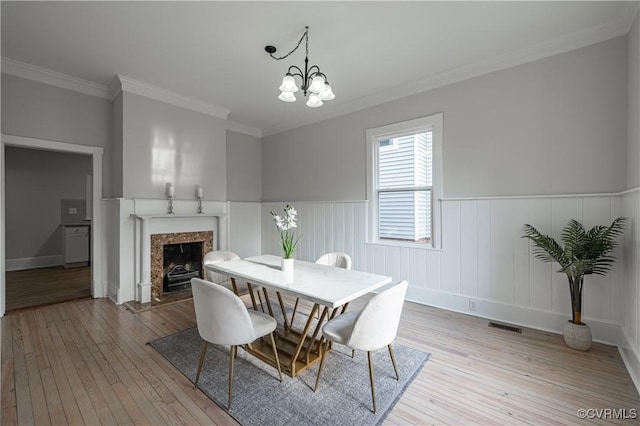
97, 286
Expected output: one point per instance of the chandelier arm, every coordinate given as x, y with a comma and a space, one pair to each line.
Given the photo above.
305, 35
298, 71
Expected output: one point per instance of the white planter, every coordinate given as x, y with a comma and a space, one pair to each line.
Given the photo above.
577, 336
287, 265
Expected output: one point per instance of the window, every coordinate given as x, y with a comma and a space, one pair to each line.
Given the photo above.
404, 182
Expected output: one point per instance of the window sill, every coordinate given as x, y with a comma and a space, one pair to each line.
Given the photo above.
404, 245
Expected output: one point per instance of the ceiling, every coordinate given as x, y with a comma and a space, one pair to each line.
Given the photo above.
371, 52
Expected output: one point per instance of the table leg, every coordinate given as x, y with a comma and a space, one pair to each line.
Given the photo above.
303, 337
267, 302
315, 333
287, 326
253, 298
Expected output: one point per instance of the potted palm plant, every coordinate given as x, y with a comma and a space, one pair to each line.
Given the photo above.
585, 252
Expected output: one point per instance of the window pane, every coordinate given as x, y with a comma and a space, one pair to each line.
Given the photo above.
405, 161
405, 216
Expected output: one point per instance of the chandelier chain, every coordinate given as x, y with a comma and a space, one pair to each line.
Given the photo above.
306, 34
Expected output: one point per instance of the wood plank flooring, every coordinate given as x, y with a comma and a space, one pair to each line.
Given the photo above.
86, 362
43, 286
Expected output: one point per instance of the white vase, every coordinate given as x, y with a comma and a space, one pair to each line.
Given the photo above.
287, 265
577, 336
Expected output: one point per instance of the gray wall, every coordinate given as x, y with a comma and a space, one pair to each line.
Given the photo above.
244, 167
633, 121
40, 111
36, 182
553, 126
165, 143
115, 164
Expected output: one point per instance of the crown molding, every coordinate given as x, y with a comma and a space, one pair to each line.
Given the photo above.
594, 35
129, 85
629, 16
53, 78
243, 128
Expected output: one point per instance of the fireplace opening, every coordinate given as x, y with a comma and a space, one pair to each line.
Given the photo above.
181, 262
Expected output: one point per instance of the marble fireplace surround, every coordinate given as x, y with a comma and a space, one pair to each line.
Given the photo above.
148, 224
158, 241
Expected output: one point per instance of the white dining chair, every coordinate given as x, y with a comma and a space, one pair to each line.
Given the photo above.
217, 256
223, 319
336, 259
370, 329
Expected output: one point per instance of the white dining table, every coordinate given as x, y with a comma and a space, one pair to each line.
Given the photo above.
326, 286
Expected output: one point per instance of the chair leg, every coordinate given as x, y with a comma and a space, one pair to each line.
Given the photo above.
275, 351
393, 361
373, 386
353, 353
232, 356
323, 350
203, 351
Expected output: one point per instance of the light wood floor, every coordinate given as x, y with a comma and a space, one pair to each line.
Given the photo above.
86, 362
43, 286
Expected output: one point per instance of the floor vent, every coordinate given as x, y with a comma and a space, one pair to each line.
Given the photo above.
505, 327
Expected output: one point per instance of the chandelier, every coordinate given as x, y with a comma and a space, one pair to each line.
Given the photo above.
313, 80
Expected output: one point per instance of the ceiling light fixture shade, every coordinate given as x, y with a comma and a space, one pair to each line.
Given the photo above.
327, 94
314, 101
288, 84
317, 84
313, 81
287, 97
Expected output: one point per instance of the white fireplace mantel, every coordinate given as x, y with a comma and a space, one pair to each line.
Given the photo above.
164, 223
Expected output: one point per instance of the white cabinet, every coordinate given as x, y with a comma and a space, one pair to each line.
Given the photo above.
75, 246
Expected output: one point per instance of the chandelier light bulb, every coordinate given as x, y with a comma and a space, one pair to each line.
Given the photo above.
317, 85
314, 101
289, 84
327, 94
287, 97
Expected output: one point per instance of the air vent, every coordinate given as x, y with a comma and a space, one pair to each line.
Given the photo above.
505, 327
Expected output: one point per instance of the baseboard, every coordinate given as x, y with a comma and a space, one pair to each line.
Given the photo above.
33, 262
631, 358
113, 293
602, 332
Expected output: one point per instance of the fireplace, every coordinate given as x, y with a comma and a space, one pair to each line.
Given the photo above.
180, 263
175, 259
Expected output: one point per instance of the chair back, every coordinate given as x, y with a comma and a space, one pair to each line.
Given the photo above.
337, 259
221, 316
377, 323
217, 256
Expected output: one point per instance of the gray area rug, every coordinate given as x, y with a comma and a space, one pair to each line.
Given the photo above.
343, 396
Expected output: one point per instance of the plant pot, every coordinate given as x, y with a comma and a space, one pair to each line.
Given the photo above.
577, 336
287, 265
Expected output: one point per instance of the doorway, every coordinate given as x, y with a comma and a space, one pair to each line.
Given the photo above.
94, 154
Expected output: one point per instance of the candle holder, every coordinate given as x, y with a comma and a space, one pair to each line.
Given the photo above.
200, 205
170, 198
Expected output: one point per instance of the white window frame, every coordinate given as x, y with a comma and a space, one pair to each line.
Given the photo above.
433, 123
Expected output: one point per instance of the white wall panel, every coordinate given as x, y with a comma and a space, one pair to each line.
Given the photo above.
502, 253
450, 272
434, 259
469, 248
484, 256
483, 209
540, 273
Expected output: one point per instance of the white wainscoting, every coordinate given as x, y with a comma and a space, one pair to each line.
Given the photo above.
483, 257
630, 320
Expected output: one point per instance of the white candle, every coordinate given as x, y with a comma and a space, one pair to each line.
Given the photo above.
171, 190
199, 192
